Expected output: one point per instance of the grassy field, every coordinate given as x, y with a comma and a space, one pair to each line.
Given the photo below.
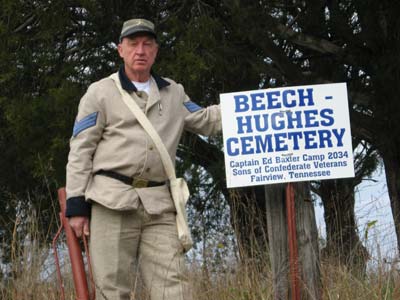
31, 273
33, 277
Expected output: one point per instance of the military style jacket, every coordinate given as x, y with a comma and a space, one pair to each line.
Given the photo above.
108, 137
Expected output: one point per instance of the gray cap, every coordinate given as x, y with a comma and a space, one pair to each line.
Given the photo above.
136, 26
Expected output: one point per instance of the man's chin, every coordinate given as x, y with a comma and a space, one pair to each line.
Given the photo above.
140, 68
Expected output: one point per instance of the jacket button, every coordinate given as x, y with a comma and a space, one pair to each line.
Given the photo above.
151, 148
148, 170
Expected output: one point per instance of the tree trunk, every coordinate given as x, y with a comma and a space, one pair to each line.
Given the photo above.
307, 239
391, 160
343, 243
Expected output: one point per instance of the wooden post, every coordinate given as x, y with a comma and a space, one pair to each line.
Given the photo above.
292, 241
307, 237
277, 237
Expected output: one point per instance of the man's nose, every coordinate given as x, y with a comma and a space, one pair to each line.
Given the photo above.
140, 49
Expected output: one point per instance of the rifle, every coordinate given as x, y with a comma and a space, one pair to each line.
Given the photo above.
75, 255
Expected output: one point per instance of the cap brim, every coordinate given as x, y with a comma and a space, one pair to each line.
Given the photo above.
136, 30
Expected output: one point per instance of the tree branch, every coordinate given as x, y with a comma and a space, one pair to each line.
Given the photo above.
310, 42
27, 22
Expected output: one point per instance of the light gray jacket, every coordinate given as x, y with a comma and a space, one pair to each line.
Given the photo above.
107, 136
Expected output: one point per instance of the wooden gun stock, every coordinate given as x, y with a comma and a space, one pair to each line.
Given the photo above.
75, 254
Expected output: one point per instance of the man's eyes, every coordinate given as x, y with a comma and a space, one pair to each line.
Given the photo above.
148, 44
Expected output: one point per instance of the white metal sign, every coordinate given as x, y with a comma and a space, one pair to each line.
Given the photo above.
287, 134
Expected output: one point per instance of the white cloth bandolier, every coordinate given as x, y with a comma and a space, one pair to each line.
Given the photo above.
178, 186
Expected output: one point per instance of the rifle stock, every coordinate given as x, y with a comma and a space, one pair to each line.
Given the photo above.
75, 254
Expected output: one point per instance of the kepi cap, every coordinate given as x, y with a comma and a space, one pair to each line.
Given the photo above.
133, 26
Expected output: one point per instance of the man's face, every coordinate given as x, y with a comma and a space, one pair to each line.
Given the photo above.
139, 53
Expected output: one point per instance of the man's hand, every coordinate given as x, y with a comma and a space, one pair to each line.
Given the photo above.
79, 225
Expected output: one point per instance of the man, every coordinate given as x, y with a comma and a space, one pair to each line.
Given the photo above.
115, 175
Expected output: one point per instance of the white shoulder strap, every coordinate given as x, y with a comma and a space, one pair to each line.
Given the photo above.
144, 121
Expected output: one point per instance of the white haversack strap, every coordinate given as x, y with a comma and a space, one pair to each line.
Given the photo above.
144, 121
178, 186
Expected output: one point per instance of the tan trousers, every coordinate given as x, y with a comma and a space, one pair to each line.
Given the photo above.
122, 242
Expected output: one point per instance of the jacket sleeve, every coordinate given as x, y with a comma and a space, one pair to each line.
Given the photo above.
87, 132
205, 121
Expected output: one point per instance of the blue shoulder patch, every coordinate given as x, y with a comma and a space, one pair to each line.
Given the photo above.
85, 123
191, 106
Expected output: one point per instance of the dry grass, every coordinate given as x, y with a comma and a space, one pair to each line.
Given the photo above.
240, 281
31, 273
32, 276
341, 283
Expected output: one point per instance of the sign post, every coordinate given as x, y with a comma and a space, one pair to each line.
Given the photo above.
292, 241
286, 135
